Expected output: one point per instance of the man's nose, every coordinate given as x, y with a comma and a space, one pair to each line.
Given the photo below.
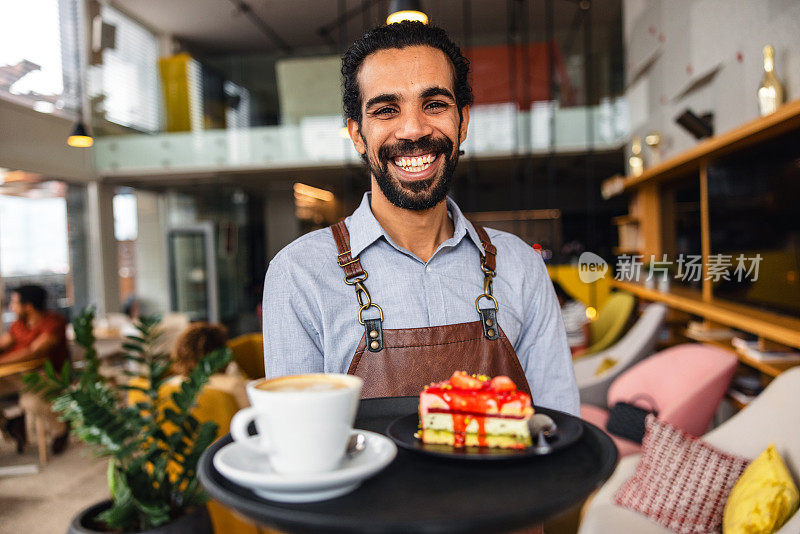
413, 126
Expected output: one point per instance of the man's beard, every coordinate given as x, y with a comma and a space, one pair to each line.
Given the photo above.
418, 195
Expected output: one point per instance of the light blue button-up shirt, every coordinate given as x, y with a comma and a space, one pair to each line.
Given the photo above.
310, 316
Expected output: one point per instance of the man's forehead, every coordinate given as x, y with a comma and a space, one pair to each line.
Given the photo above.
404, 71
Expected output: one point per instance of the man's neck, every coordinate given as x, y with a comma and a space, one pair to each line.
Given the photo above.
33, 318
420, 232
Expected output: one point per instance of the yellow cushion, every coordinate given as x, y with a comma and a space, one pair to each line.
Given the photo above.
248, 353
764, 497
604, 366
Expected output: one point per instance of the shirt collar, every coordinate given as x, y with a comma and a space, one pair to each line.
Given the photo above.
365, 229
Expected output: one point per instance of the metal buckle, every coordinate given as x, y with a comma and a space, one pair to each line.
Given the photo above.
355, 280
339, 259
368, 305
361, 288
490, 297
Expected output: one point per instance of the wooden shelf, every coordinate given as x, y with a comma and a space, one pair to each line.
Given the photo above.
771, 369
624, 219
786, 118
779, 328
736, 402
620, 251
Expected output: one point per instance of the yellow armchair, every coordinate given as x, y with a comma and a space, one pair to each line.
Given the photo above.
248, 353
612, 318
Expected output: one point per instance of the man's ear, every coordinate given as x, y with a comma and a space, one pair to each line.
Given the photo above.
462, 135
354, 131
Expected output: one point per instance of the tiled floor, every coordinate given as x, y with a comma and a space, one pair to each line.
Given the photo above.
45, 502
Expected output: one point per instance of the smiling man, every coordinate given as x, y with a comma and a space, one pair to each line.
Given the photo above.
433, 292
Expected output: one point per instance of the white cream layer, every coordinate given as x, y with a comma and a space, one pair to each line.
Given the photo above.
492, 425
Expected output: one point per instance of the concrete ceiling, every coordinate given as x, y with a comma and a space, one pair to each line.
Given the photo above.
219, 27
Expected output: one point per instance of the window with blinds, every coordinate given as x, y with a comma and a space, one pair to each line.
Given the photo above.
39, 53
127, 82
33, 236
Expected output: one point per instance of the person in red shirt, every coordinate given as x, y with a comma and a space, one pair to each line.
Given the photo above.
37, 333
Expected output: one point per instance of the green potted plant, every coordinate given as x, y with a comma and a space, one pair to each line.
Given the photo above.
152, 472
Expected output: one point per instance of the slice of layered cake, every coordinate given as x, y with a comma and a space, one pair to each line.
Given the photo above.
475, 411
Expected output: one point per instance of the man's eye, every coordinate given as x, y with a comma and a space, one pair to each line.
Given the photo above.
436, 105
385, 111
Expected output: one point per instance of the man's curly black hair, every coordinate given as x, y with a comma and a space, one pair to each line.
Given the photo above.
400, 35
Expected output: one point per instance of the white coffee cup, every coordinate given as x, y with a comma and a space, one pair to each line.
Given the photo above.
303, 421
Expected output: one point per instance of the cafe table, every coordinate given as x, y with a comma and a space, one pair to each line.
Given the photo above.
419, 493
8, 369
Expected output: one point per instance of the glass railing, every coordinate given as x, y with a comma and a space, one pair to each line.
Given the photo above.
494, 130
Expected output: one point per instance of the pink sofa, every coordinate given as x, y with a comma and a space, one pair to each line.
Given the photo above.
687, 382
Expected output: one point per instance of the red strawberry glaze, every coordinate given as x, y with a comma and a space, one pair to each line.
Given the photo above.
476, 402
479, 401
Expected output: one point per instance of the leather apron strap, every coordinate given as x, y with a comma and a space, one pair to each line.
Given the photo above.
354, 275
352, 266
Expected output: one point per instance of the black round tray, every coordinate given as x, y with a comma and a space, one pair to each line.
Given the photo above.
417, 493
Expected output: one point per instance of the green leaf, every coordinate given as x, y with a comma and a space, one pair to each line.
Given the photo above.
123, 511
111, 479
135, 347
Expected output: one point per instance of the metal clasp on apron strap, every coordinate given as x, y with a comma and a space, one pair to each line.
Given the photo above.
373, 327
488, 264
488, 315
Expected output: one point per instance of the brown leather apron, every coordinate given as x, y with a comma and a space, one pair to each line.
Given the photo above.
401, 362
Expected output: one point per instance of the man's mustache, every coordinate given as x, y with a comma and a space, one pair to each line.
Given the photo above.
422, 145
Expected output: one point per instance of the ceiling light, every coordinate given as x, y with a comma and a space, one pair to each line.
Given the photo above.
313, 192
400, 10
80, 138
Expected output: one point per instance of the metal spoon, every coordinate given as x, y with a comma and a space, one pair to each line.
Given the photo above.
542, 426
356, 444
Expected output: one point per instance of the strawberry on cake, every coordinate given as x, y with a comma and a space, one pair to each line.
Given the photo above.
475, 411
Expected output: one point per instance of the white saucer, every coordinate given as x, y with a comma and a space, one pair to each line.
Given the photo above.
253, 471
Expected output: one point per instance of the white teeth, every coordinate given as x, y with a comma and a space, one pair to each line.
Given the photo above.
415, 164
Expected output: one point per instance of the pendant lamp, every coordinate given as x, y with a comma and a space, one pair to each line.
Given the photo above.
400, 10
79, 137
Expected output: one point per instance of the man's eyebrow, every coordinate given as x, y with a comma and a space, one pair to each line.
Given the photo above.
437, 91
382, 99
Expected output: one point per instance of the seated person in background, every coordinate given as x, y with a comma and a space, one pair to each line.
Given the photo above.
575, 321
195, 342
37, 333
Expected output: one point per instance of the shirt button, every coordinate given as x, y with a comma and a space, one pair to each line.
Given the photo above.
428, 269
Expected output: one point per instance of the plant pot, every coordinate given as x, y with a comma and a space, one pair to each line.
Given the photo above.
196, 521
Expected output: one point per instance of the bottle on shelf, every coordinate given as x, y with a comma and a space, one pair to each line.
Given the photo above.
635, 162
770, 92
653, 140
